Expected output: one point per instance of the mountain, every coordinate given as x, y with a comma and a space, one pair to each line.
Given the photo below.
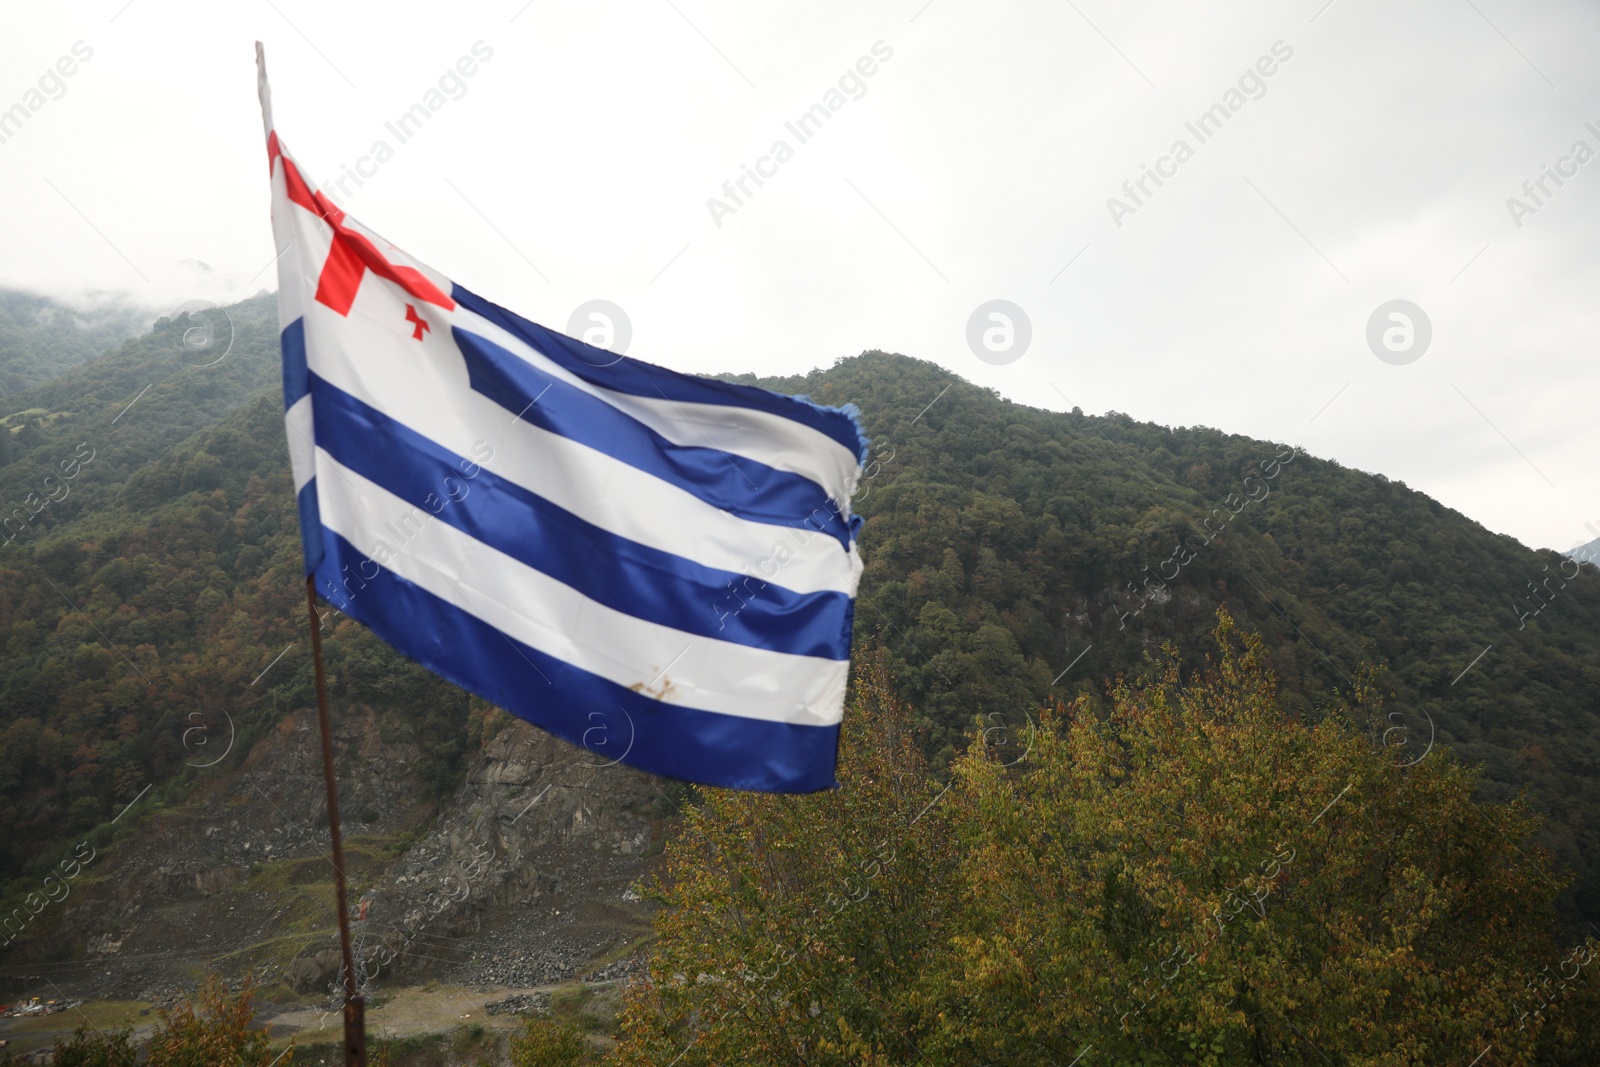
1015, 555
40, 337
152, 635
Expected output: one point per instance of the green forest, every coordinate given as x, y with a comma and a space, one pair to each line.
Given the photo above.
1186, 874
40, 338
151, 571
1028, 574
1182, 875
146, 590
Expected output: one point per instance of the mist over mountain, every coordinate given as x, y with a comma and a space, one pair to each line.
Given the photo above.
40, 337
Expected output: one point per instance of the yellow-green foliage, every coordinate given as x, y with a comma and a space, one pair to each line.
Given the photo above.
793, 925
214, 1028
544, 1043
1198, 879
1190, 877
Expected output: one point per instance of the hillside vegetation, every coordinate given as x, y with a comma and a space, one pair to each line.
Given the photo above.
1004, 542
1182, 876
40, 337
1014, 556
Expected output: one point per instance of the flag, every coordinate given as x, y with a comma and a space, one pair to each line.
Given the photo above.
658, 567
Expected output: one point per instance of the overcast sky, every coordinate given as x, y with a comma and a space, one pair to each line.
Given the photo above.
975, 162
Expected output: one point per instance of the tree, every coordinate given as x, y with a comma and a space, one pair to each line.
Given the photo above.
546, 1043
793, 926
219, 1032
1195, 878
90, 1049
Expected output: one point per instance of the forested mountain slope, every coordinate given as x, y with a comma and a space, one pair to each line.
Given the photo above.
1013, 555
1004, 542
41, 337
152, 571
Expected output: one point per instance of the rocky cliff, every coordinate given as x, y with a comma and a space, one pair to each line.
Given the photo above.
523, 875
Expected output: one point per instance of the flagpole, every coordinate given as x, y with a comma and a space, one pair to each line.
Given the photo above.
355, 1024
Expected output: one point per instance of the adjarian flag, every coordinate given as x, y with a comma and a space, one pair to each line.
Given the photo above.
657, 566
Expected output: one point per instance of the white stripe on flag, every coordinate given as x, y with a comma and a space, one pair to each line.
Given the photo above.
554, 618
780, 443
406, 382
302, 458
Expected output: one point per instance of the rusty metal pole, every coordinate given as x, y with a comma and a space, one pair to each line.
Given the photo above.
355, 1022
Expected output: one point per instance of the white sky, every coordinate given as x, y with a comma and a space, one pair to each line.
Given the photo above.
578, 163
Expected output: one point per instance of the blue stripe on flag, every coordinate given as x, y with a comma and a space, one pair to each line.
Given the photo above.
294, 362
310, 524
736, 484
610, 720
644, 379
622, 574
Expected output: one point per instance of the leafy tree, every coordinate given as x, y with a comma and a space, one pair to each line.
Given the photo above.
1196, 878
794, 925
1192, 876
91, 1048
999, 543
547, 1043
218, 1032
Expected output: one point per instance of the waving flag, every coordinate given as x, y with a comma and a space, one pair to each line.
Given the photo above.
656, 566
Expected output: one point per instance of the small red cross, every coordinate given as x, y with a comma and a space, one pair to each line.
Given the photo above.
420, 323
352, 254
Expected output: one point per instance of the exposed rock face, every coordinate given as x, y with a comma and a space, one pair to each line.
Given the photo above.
313, 970
522, 875
189, 879
177, 887
538, 825
284, 803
